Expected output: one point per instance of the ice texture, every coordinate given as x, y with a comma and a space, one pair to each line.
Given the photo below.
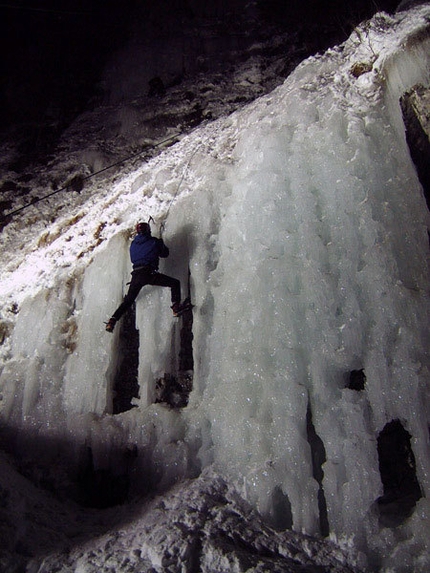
303, 225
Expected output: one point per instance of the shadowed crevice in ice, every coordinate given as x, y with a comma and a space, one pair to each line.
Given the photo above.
174, 389
356, 380
280, 516
126, 386
318, 458
398, 475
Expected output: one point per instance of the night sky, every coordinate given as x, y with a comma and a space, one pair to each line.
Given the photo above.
52, 56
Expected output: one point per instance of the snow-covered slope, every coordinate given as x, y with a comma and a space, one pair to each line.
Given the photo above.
302, 225
202, 525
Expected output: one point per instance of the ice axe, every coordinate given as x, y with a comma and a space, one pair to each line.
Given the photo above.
152, 220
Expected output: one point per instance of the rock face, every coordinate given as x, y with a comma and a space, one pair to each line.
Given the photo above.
416, 114
407, 4
151, 47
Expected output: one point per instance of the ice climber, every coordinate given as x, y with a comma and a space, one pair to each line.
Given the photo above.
145, 251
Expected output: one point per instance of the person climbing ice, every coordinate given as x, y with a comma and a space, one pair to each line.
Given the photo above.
145, 252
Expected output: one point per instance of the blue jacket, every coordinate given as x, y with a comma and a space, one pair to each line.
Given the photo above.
146, 250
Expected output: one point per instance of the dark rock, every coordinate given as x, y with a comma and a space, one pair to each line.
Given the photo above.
156, 87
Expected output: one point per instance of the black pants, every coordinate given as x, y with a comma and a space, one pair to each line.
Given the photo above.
146, 276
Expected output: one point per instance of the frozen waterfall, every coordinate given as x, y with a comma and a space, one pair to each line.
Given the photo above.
300, 227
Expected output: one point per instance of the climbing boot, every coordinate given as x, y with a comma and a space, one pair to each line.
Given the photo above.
180, 307
110, 324
176, 308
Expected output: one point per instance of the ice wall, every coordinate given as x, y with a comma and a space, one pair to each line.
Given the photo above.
304, 227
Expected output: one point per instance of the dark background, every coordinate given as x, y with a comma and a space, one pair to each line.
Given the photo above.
54, 53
